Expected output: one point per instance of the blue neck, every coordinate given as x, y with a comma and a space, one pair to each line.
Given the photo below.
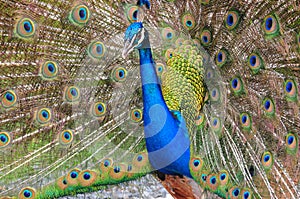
166, 137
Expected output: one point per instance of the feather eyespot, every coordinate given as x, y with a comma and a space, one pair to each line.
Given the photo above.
267, 160
62, 183
271, 26
72, 94
245, 121
168, 34
214, 94
196, 164
66, 137
291, 141
188, 21
98, 109
209, 74
118, 172
255, 62
203, 178
206, 37
49, 70
237, 86
169, 53
5, 139
246, 194
105, 165
232, 19
43, 116
223, 178
80, 15
212, 182
132, 13
200, 120
119, 74
140, 160
160, 68
234, 192
290, 90
72, 176
222, 57
25, 28
216, 125
136, 115
87, 177
96, 50
268, 106
9, 99
27, 193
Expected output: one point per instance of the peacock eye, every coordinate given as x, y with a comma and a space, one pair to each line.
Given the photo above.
237, 85
168, 34
160, 68
255, 62
188, 21
206, 37
200, 120
213, 180
196, 164
232, 19
5, 139
136, 115
96, 50
291, 142
25, 28
99, 109
223, 177
140, 160
62, 183
132, 13
245, 121
268, 106
271, 26
222, 57
80, 15
246, 194
119, 74
27, 193
290, 90
216, 125
71, 94
49, 70
66, 137
9, 99
43, 116
214, 94
236, 192
267, 160
87, 177
169, 53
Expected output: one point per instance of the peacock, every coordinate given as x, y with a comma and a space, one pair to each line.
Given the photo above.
96, 93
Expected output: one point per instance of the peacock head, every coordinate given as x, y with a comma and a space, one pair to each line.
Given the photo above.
136, 37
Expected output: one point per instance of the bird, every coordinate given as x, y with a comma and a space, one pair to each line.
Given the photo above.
96, 93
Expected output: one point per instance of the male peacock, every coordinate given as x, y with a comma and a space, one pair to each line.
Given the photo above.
216, 100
